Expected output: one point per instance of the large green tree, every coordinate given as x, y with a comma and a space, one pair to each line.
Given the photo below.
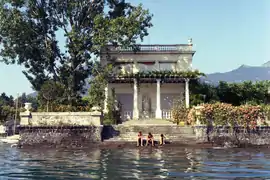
50, 92
59, 39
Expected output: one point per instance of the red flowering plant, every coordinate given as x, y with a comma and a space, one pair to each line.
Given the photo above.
248, 115
222, 114
266, 112
226, 114
215, 114
206, 114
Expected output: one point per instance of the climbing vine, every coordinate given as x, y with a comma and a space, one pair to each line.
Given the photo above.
162, 75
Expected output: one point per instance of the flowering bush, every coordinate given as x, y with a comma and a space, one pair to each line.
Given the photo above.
226, 114
191, 116
179, 112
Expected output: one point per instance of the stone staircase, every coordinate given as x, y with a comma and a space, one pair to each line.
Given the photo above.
128, 132
148, 122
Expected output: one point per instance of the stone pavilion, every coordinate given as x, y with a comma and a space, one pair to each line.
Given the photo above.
148, 80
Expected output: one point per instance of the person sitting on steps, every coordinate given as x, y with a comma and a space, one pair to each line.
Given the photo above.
162, 139
150, 139
140, 139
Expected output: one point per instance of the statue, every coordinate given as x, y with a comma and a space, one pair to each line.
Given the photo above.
190, 41
116, 105
146, 106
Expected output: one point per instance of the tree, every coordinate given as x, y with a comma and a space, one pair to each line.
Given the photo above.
202, 93
5, 100
50, 92
7, 109
232, 93
22, 99
98, 84
29, 32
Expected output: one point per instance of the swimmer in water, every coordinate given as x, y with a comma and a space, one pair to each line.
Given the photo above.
150, 139
162, 139
140, 139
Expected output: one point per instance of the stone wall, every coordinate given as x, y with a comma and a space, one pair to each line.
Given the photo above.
60, 128
238, 136
59, 135
61, 118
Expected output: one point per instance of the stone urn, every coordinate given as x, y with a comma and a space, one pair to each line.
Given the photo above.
27, 106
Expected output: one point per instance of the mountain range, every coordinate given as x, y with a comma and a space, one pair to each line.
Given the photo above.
240, 74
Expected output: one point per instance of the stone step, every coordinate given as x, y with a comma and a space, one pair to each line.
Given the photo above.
174, 139
149, 121
130, 132
135, 134
157, 137
162, 129
170, 138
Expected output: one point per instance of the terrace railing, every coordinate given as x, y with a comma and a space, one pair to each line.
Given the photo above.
153, 48
166, 114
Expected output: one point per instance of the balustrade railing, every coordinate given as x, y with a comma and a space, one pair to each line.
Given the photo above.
147, 115
153, 48
126, 115
166, 114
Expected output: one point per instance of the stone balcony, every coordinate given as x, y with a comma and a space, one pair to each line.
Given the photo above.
153, 48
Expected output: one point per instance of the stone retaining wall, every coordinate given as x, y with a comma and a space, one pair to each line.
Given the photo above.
59, 135
61, 118
238, 136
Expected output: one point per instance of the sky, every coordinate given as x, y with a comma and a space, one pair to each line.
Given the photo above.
226, 34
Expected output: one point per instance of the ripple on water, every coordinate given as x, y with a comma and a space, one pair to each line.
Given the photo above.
143, 163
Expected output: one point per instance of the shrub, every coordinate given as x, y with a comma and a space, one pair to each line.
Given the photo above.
179, 113
113, 116
226, 114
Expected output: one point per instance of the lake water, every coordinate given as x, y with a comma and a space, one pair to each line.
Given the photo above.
145, 163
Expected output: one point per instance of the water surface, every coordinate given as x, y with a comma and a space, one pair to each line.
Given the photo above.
146, 163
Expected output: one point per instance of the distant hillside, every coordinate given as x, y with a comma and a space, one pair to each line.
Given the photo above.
243, 73
33, 94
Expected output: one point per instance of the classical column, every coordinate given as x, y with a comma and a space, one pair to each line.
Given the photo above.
187, 92
158, 109
106, 99
135, 100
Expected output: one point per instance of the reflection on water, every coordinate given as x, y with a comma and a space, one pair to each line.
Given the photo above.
143, 163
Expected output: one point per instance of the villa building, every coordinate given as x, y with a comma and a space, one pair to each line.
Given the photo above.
149, 79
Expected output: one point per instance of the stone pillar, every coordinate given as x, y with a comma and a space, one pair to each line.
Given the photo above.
158, 108
187, 92
105, 110
135, 100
